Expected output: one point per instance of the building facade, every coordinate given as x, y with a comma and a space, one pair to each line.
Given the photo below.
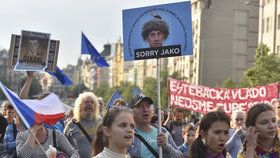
269, 23
225, 34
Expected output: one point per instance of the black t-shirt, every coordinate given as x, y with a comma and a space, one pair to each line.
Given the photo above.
3, 125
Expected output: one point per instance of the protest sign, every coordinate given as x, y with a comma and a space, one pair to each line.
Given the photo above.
205, 99
33, 51
157, 31
33, 60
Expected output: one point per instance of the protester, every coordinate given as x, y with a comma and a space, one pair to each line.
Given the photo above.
24, 95
28, 147
192, 119
101, 106
3, 126
176, 126
146, 134
155, 31
9, 140
115, 133
120, 102
236, 133
10, 136
261, 136
213, 135
81, 130
4, 108
11, 114
69, 116
188, 134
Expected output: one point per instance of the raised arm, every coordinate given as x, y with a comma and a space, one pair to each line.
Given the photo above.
25, 89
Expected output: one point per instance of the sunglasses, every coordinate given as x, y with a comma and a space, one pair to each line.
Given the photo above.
114, 109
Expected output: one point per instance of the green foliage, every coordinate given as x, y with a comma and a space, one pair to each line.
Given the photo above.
7, 84
265, 70
35, 87
228, 83
106, 92
150, 87
77, 89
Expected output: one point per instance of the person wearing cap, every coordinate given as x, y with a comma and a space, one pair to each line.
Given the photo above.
155, 31
142, 108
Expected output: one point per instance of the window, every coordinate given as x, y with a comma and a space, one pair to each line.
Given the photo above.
267, 24
263, 21
278, 22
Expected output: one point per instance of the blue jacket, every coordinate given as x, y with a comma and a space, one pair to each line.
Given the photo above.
9, 140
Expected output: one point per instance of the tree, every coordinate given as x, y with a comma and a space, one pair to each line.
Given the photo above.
228, 83
265, 70
8, 85
150, 87
35, 87
77, 89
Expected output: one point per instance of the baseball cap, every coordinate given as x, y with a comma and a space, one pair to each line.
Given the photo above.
138, 98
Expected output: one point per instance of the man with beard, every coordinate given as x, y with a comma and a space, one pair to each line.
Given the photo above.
147, 137
81, 130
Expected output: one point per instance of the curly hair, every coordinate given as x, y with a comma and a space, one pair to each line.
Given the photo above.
155, 25
79, 102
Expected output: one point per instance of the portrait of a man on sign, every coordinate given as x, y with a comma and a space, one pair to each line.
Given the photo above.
33, 51
33, 47
157, 31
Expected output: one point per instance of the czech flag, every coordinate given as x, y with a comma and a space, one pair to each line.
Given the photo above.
47, 110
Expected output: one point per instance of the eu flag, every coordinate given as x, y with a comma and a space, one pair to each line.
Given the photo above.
63, 79
116, 95
136, 91
87, 48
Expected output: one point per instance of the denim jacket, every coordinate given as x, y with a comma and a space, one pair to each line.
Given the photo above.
9, 140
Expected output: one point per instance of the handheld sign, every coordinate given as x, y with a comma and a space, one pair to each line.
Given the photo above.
157, 31
33, 51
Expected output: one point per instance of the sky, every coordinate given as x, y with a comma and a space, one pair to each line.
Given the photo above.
100, 20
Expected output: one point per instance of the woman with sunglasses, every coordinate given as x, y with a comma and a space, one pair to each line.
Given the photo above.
261, 136
115, 134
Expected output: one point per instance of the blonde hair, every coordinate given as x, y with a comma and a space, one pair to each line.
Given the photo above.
79, 102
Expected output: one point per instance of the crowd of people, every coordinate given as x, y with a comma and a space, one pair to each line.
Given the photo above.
132, 130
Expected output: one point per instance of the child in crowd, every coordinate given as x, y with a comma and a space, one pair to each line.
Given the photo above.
115, 134
188, 133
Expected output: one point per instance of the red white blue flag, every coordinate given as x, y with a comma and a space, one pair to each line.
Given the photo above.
47, 110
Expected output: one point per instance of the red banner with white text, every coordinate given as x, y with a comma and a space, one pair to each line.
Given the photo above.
205, 99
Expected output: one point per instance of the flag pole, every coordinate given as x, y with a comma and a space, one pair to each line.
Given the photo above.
41, 147
158, 100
